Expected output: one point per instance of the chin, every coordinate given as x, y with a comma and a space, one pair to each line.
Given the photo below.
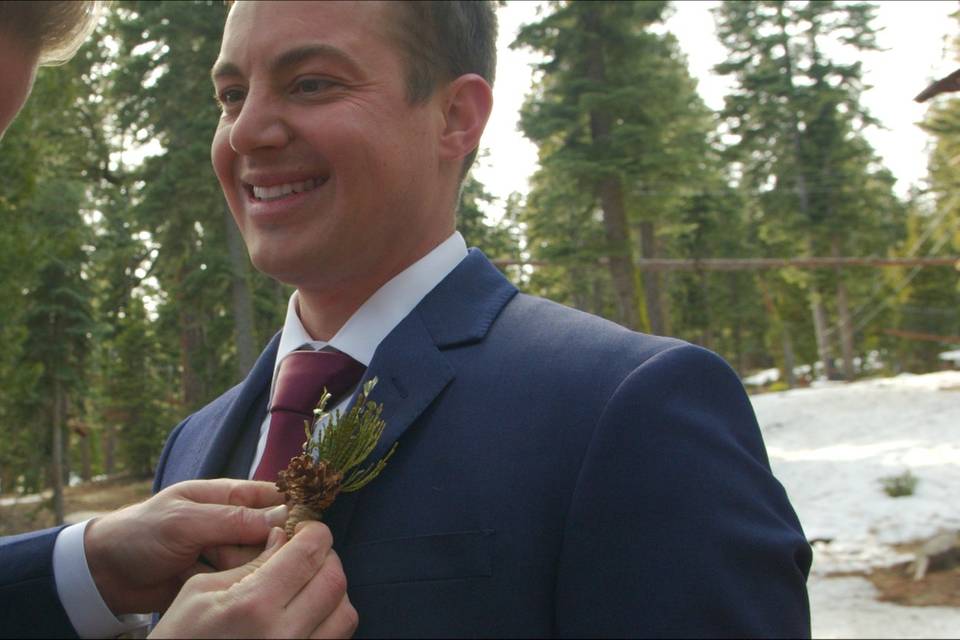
269, 263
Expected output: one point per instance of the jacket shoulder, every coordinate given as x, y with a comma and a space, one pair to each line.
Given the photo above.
546, 324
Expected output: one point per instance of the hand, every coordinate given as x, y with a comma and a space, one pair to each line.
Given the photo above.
139, 556
296, 590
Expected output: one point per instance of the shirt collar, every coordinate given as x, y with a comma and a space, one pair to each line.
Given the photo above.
369, 325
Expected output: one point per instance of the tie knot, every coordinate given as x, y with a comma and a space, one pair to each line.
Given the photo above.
303, 375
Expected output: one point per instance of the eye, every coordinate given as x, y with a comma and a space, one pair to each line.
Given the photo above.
230, 96
309, 86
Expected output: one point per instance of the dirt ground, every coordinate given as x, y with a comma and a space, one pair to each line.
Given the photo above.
940, 587
95, 496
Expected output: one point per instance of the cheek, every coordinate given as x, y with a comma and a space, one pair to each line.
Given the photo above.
17, 85
222, 156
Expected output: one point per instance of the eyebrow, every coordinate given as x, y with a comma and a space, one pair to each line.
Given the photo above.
290, 58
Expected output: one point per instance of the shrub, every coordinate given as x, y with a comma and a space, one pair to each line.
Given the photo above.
899, 485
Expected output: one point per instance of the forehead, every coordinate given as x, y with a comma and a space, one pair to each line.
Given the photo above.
257, 31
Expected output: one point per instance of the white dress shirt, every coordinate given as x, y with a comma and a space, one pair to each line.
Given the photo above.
359, 338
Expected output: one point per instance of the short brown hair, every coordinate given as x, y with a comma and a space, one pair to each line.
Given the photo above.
54, 29
442, 40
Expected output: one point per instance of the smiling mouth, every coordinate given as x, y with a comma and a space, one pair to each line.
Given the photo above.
280, 191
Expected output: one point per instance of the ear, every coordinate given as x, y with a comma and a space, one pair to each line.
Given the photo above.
469, 100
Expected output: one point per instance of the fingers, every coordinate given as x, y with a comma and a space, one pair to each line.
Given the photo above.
247, 493
204, 607
225, 579
226, 511
295, 565
195, 569
342, 623
322, 589
212, 525
230, 556
249, 600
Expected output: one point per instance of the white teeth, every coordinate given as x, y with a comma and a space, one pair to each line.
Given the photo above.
282, 190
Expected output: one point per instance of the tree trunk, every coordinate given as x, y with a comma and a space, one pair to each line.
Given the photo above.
803, 199
846, 330
706, 337
786, 341
610, 191
737, 328
192, 388
845, 322
86, 458
821, 332
56, 470
242, 297
621, 261
8, 480
651, 280
789, 359
578, 288
109, 449
599, 292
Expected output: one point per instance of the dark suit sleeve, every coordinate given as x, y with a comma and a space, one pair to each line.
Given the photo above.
29, 604
677, 528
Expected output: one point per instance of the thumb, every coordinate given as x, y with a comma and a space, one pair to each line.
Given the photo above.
275, 540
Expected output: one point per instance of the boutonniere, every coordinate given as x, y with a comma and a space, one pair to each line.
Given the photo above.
328, 464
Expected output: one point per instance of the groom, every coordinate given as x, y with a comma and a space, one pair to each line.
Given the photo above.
555, 474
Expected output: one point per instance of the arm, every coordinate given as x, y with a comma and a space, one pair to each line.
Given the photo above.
134, 559
677, 526
29, 606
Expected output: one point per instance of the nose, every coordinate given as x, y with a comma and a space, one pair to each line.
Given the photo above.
259, 125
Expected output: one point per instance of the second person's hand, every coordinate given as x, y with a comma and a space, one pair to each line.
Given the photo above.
292, 590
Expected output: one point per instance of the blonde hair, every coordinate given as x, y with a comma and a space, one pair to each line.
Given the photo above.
54, 29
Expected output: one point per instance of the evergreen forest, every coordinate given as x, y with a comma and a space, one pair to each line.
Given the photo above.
128, 300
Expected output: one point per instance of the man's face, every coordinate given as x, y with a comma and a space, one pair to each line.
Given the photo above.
330, 173
18, 67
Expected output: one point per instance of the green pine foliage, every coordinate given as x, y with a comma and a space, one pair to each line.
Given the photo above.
47, 303
346, 440
498, 240
795, 124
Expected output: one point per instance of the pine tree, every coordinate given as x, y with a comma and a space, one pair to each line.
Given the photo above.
46, 206
796, 122
930, 299
498, 241
214, 310
617, 118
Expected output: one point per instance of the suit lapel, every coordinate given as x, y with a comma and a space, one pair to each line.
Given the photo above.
410, 366
215, 451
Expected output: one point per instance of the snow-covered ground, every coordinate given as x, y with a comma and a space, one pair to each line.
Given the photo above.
831, 446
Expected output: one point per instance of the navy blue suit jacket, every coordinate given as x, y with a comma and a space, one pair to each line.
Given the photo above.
556, 475
29, 605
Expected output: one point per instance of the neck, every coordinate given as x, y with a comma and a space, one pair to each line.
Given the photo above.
324, 315
324, 309
326, 304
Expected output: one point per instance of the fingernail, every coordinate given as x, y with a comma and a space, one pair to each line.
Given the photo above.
274, 538
277, 516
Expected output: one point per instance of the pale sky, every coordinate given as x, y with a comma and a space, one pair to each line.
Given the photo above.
915, 35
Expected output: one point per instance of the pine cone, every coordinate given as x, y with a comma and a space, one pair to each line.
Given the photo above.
310, 488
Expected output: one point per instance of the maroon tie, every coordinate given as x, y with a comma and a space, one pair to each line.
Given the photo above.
301, 379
